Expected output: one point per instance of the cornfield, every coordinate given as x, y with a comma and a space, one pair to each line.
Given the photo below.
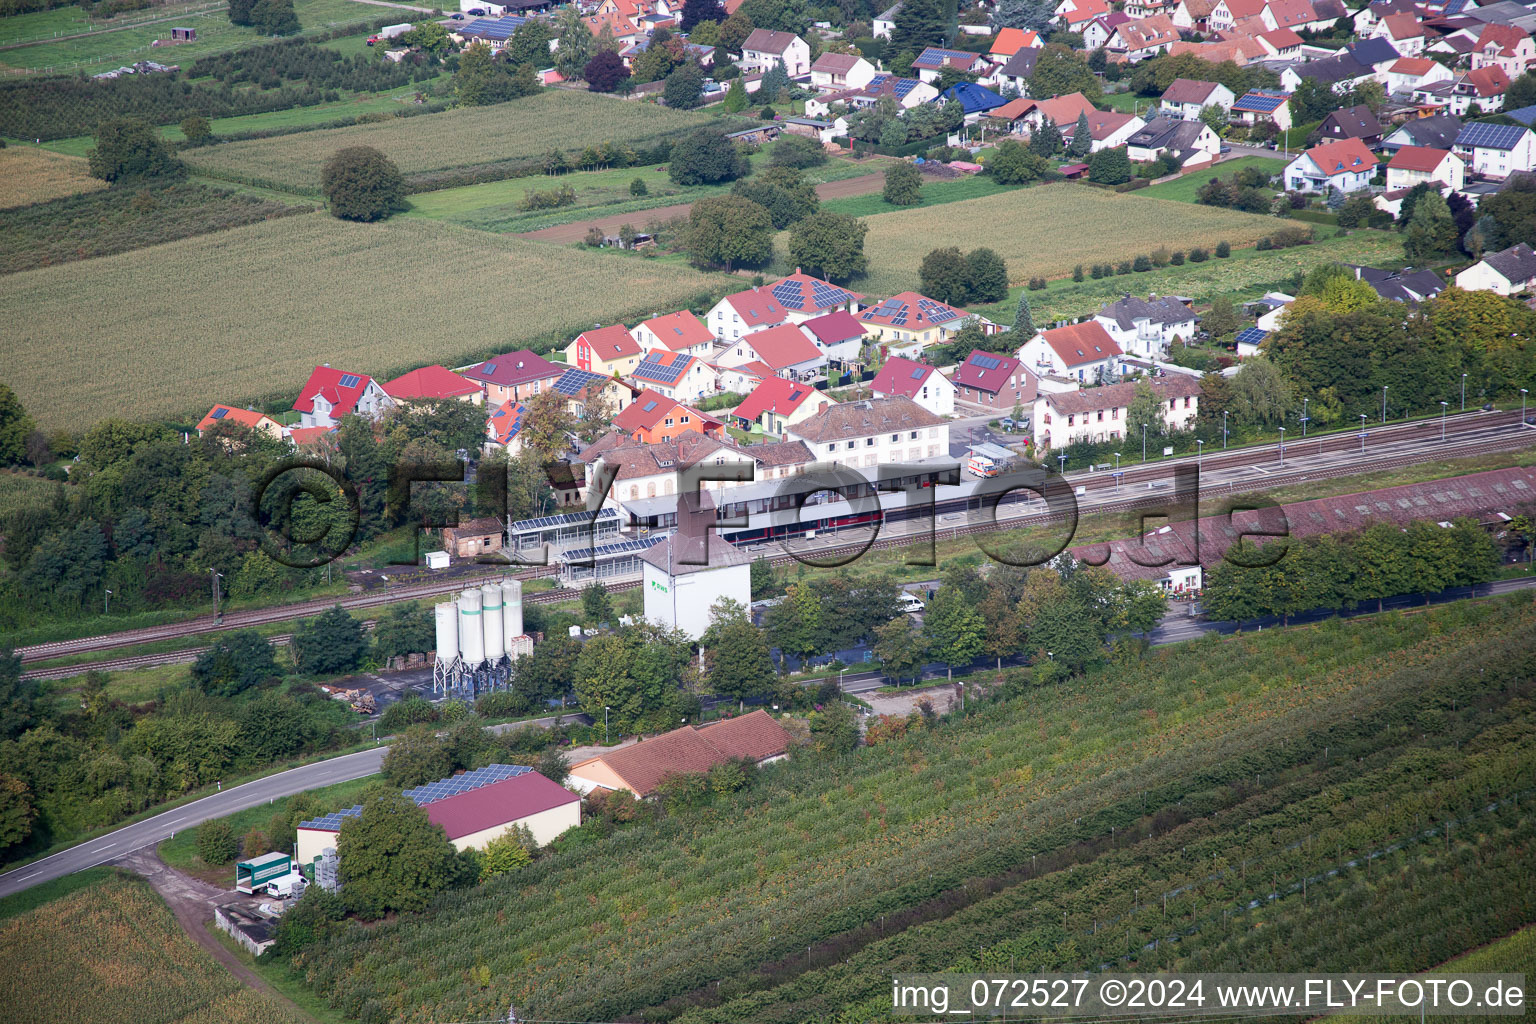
819, 854
30, 175
18, 491
552, 120
247, 313
1047, 230
113, 953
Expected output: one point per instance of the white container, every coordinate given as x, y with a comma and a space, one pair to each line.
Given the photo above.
471, 641
511, 611
490, 615
447, 616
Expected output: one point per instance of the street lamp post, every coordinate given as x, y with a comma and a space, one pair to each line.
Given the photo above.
1362, 433
1199, 454
1282, 446
1522, 407
1223, 430
1117, 462
1463, 392
1143, 442
1304, 417
1384, 404
1443, 407
605, 725
1063, 468
216, 577
106, 601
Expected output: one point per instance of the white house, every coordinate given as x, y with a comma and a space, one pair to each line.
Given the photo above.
1096, 415
1403, 31
331, 394
1107, 128
884, 22
675, 332
785, 349
833, 71
1347, 166
741, 313
874, 433
1185, 98
1414, 164
1409, 73
764, 48
676, 375
1258, 105
1191, 143
1496, 150
1508, 272
687, 574
1506, 47
1147, 327
1084, 351
920, 382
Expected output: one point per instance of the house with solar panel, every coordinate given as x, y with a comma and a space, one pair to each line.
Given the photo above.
583, 387
741, 313
329, 395
250, 419
786, 350
777, 404
906, 92
1258, 106
914, 321
675, 332
504, 426
1347, 166
804, 297
1082, 352
934, 59
654, 417
493, 32
994, 383
610, 350
1413, 165
515, 376
676, 375
920, 382
1248, 341
472, 808
1496, 150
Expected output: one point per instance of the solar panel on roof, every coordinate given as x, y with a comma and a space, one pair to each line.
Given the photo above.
488, 368
349, 380
565, 519
1491, 136
573, 380
937, 312
665, 369
1252, 335
606, 550
650, 406
218, 414
919, 373
787, 292
986, 362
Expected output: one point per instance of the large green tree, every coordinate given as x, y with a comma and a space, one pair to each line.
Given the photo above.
903, 184
829, 245
919, 24
953, 630
783, 192
706, 156
331, 643
393, 858
234, 662
360, 183
1431, 232
15, 426
728, 231
127, 149
417, 757
986, 276
945, 276
685, 86
738, 659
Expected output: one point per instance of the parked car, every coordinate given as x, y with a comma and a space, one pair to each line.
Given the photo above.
1226, 149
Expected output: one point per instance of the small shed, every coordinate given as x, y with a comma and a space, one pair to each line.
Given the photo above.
1074, 171
252, 874
252, 929
437, 559
183, 35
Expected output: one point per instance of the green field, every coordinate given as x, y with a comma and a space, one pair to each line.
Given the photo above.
127, 39
1247, 273
935, 193
527, 128
1183, 190
250, 311
112, 953
18, 490
1280, 788
1046, 230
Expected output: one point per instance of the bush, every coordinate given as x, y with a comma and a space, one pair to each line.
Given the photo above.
1123, 268
1077, 272
217, 843
1141, 265
1223, 250
639, 188
503, 704
406, 712
1177, 259
797, 151
1198, 255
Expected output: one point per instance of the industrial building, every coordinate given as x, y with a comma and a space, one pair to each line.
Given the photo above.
639, 769
479, 635
686, 574
473, 808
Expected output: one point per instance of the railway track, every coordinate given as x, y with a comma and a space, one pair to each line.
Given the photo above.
1393, 447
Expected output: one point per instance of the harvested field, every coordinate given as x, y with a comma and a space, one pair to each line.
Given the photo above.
554, 119
244, 313
30, 175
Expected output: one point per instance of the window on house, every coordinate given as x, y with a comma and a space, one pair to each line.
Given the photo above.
851, 445
1071, 419
669, 421
869, 442
687, 419
831, 448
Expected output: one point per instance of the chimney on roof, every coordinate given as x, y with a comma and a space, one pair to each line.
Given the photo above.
326, 365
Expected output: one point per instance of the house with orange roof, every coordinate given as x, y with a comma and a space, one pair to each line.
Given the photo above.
1227, 13
1186, 98
777, 404
1148, 8
250, 419
911, 319
785, 349
331, 394
741, 313
675, 332
504, 426
1279, 42
805, 297
1504, 47
1084, 352
1193, 14
1345, 165
1403, 31
1010, 41
1409, 73
1075, 14
1485, 87
640, 769
311, 437
1240, 50
654, 417
1140, 38
608, 350
431, 383
1023, 115
1412, 165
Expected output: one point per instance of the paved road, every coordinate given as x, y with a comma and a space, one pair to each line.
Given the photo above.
577, 230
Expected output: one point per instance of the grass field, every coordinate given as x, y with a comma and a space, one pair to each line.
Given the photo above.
935, 193
554, 119
127, 39
112, 953
250, 311
17, 490
1045, 231
1183, 190
30, 175
1247, 273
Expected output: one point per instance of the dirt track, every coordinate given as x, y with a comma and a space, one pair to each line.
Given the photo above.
577, 230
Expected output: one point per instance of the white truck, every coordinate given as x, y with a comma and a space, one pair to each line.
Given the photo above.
390, 32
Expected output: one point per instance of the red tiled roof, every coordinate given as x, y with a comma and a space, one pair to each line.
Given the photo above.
645, 411
754, 736
1187, 90
308, 435
326, 381
244, 417
901, 376
783, 346
611, 342
776, 394
802, 297
1412, 66
518, 367
500, 803
1506, 37
1010, 41
430, 382
1087, 342
1346, 155
680, 330
908, 307
1488, 81
506, 422
757, 307
1281, 38
1418, 158
972, 374
1402, 26
834, 327
667, 360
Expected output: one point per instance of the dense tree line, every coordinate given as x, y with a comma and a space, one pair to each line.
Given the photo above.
1336, 572
302, 60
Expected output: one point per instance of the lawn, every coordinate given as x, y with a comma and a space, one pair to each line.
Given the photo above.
935, 193
554, 119
112, 952
1183, 190
1247, 273
249, 312
30, 175
123, 41
1045, 231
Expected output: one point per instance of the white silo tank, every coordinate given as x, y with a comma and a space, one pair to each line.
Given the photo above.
490, 614
511, 611
447, 614
471, 641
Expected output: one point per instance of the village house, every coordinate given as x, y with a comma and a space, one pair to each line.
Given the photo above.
833, 71
1084, 352
1438, 131
1186, 98
912, 318
504, 426
764, 48
516, 376
839, 335
934, 59
1096, 415
1496, 150
1506, 47
1141, 38
1015, 72
1190, 143
920, 382
1024, 115
1483, 89
654, 417
641, 769
1107, 128
784, 349
250, 419
1347, 166
649, 470
1258, 105
675, 332
1403, 31
777, 404
997, 383
606, 350
1355, 122
1411, 165
741, 313
1507, 272
873, 432
329, 395
1410, 73
430, 384
1010, 41
1147, 327
676, 375
1098, 31
804, 297
473, 537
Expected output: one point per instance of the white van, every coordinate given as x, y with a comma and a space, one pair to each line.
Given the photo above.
910, 603
288, 886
